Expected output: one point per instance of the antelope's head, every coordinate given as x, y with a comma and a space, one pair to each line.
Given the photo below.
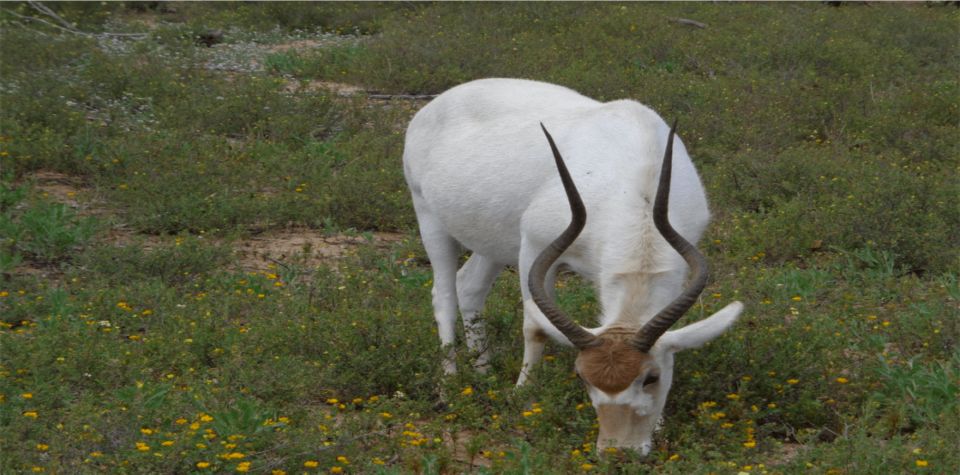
628, 371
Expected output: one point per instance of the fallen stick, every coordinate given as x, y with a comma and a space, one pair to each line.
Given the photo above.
689, 22
406, 97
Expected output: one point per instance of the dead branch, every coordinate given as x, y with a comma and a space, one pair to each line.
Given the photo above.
689, 22
64, 25
25, 27
404, 97
40, 20
50, 13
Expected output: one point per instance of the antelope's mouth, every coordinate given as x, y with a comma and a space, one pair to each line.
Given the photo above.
621, 427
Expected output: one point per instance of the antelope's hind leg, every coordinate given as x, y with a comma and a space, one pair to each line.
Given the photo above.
444, 252
474, 281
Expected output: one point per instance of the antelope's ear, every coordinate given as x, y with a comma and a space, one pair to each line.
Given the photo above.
697, 334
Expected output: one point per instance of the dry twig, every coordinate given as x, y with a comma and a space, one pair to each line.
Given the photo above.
407, 97
689, 22
63, 25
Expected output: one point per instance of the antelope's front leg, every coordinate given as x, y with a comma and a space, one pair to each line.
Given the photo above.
534, 340
534, 336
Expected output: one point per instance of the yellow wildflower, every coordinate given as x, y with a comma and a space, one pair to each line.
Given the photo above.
243, 467
202, 465
311, 464
467, 391
922, 463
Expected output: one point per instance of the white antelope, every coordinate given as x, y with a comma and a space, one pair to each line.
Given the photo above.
481, 176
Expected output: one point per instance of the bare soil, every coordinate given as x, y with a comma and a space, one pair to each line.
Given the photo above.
786, 454
298, 45
299, 245
340, 89
67, 190
302, 246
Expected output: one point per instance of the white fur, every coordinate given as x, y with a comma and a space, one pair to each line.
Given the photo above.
482, 177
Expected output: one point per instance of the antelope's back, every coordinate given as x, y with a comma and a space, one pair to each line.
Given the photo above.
475, 156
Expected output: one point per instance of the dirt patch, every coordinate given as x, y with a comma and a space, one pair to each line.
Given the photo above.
304, 247
787, 453
251, 56
300, 246
58, 187
298, 45
458, 444
340, 89
67, 190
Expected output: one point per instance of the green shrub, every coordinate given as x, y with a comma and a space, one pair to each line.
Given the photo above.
811, 198
39, 230
914, 393
185, 260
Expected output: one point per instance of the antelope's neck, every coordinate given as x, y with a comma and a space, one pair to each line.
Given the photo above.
629, 300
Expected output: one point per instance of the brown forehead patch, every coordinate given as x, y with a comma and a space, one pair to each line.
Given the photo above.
611, 366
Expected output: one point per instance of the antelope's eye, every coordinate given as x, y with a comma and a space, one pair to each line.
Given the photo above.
651, 379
